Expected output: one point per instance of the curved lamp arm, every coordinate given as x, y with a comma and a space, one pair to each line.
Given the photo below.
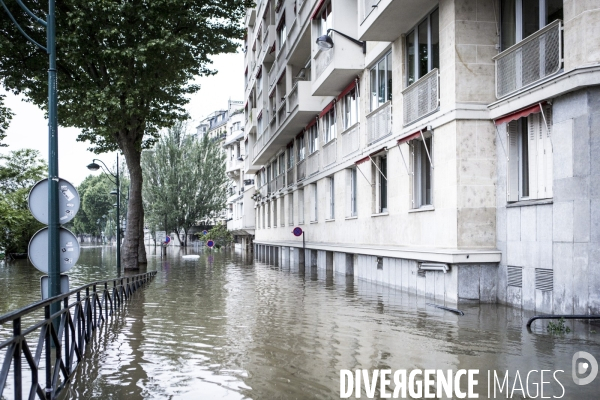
105, 169
358, 42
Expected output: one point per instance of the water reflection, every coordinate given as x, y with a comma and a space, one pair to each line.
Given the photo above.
225, 327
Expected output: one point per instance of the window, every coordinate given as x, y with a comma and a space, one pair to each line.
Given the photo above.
291, 209
381, 81
423, 48
315, 201
380, 175
313, 139
530, 157
300, 206
350, 109
301, 149
521, 18
331, 198
290, 156
282, 163
281, 32
268, 214
275, 212
421, 152
325, 20
351, 192
328, 122
259, 125
281, 211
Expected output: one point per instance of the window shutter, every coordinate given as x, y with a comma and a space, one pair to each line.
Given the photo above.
533, 133
512, 173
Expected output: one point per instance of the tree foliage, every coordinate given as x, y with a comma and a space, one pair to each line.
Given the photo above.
5, 117
124, 69
184, 180
220, 235
19, 171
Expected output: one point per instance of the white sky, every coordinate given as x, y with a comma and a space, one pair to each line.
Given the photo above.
29, 128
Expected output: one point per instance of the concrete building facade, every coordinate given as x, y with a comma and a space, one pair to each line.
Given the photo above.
443, 148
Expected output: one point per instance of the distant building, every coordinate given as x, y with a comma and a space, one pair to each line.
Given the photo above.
446, 148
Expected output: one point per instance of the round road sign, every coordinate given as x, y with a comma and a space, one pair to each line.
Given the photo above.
205, 232
210, 243
69, 250
297, 231
68, 201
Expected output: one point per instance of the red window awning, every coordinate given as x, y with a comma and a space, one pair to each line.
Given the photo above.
259, 115
317, 9
524, 112
310, 124
348, 89
362, 160
409, 137
327, 109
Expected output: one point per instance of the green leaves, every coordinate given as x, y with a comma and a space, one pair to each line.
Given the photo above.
5, 117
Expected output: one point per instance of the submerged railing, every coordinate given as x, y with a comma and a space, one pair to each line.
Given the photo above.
59, 346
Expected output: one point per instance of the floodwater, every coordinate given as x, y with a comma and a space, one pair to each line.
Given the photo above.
225, 327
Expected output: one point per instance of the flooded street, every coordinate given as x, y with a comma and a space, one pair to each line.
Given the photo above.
223, 326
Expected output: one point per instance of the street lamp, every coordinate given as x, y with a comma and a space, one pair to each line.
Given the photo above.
325, 42
95, 167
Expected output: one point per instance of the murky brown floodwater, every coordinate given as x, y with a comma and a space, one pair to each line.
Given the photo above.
225, 327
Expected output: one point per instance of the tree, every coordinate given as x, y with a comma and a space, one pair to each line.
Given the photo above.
220, 235
19, 171
184, 180
123, 72
5, 117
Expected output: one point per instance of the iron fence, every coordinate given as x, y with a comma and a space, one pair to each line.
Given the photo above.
422, 97
379, 122
329, 152
350, 140
62, 337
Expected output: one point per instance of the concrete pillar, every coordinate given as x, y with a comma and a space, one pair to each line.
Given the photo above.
313, 258
349, 264
329, 261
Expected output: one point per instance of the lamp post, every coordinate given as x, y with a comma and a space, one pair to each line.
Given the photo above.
95, 167
325, 42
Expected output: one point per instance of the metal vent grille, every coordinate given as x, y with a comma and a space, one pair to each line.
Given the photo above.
544, 279
514, 276
529, 61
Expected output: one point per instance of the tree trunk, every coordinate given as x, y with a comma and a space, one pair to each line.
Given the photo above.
130, 248
142, 245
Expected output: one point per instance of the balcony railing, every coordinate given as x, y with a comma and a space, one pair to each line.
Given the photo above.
313, 163
264, 190
290, 176
379, 122
532, 59
322, 61
329, 152
272, 74
272, 185
350, 140
301, 170
280, 181
368, 6
292, 97
422, 97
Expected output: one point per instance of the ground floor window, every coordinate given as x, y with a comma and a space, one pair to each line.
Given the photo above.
351, 192
530, 171
300, 206
380, 183
315, 201
331, 182
291, 208
422, 154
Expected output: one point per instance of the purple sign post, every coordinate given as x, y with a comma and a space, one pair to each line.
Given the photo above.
297, 232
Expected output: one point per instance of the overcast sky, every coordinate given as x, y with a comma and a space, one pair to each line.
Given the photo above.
29, 128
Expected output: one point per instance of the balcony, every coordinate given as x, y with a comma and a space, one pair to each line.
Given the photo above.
329, 153
233, 166
336, 67
300, 108
379, 123
264, 190
251, 121
531, 60
280, 181
269, 34
387, 20
313, 163
350, 140
301, 170
290, 177
422, 97
250, 16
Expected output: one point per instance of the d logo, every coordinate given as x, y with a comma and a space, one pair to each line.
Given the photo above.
580, 367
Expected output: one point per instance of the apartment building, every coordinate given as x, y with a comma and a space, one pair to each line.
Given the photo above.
440, 147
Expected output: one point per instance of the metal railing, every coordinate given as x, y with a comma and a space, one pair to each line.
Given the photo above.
422, 97
293, 97
264, 190
313, 163
368, 7
379, 122
272, 74
329, 152
59, 341
350, 140
281, 112
271, 185
322, 61
536, 57
301, 170
290, 176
